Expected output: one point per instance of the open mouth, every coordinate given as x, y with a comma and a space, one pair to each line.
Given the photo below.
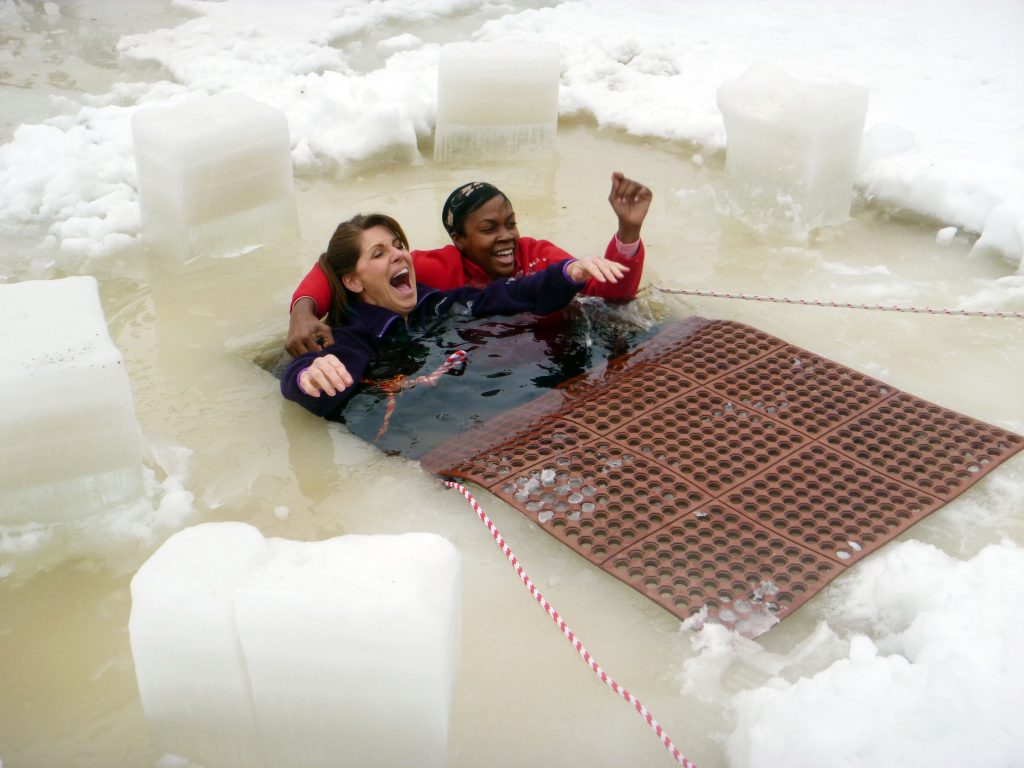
505, 256
400, 280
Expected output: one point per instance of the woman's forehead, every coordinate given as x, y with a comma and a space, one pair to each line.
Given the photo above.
378, 235
498, 207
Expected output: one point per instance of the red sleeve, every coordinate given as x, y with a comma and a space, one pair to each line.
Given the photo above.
626, 288
439, 268
314, 286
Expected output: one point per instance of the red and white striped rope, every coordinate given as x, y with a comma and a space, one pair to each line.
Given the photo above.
455, 359
841, 305
396, 384
570, 636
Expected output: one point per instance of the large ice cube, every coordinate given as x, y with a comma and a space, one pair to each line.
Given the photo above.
340, 652
496, 101
214, 175
69, 442
192, 676
352, 646
792, 147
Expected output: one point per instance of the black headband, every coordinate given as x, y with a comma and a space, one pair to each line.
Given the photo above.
463, 201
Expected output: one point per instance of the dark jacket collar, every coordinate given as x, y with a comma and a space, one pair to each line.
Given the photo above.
377, 320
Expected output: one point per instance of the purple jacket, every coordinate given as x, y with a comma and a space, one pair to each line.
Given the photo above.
357, 343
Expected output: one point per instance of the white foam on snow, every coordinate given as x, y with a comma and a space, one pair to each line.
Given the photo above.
943, 127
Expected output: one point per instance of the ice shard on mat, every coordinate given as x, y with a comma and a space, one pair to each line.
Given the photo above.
69, 442
214, 176
338, 652
496, 101
792, 147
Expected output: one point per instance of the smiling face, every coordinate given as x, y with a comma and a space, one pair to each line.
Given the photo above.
490, 237
384, 274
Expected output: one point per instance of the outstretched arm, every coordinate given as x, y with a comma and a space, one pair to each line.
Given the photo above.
541, 293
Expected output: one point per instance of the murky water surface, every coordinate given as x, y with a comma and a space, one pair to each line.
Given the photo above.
190, 342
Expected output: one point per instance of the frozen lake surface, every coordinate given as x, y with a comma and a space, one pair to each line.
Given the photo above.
921, 640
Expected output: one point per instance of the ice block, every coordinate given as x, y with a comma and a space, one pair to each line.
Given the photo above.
214, 176
69, 442
496, 101
792, 147
339, 652
352, 646
192, 676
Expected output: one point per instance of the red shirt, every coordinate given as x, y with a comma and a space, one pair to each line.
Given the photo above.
445, 269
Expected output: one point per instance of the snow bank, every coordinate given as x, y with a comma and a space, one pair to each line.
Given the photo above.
354, 90
937, 685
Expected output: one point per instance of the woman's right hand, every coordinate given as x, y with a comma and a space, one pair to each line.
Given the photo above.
306, 331
596, 267
325, 374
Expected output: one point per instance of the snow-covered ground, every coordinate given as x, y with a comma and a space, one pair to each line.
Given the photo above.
909, 660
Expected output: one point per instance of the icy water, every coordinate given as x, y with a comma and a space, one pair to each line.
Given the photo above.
191, 342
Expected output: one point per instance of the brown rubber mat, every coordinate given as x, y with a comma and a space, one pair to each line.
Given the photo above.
720, 470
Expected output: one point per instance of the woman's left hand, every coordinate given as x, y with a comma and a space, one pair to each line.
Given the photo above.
630, 200
596, 267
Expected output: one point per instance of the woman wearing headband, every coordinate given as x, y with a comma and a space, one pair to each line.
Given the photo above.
486, 245
379, 309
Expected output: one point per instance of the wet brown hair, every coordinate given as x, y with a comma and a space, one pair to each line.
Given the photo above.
342, 255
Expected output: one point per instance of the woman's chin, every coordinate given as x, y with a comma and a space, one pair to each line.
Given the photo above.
404, 300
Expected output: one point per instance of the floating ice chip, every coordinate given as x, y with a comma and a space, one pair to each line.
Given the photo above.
545, 516
574, 516
522, 496
254, 652
588, 507
792, 147
547, 476
215, 176
855, 546
496, 101
946, 235
575, 498
842, 554
69, 442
